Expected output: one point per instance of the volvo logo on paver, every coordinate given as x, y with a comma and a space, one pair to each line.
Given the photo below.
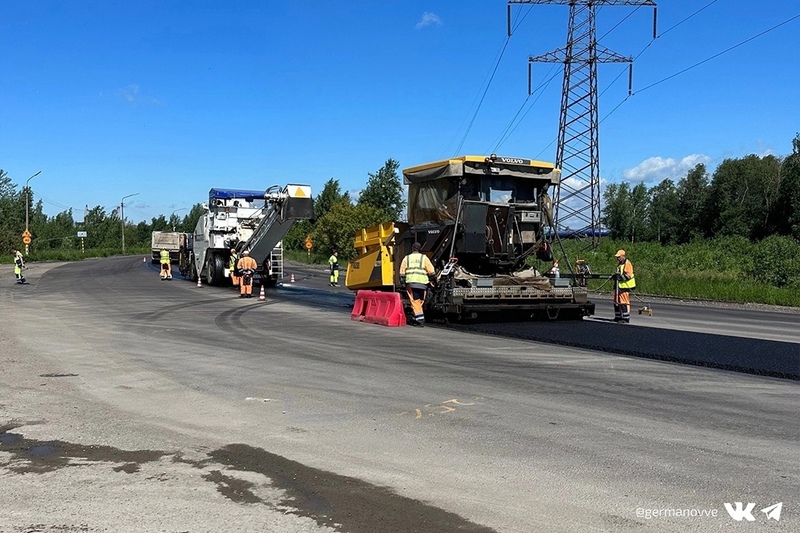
512, 160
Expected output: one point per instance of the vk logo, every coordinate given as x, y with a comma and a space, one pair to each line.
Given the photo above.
741, 512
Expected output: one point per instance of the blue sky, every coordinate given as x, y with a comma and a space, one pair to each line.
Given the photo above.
169, 98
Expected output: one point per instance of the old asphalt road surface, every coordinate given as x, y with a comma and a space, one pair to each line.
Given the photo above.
129, 404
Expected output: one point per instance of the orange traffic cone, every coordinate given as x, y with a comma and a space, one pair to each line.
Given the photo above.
262, 296
291, 280
199, 282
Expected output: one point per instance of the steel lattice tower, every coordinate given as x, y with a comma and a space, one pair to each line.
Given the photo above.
577, 197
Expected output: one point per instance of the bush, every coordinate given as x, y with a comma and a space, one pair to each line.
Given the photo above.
777, 262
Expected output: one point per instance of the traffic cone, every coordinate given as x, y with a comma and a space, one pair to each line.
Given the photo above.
199, 282
144, 260
291, 280
262, 296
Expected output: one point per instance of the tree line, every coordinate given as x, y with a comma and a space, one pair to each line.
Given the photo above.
103, 229
336, 219
754, 197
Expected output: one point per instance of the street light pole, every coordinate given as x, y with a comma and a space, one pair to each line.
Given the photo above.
122, 216
27, 202
173, 214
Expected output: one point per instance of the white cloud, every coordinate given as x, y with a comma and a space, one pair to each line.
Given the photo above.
129, 93
657, 169
132, 95
429, 19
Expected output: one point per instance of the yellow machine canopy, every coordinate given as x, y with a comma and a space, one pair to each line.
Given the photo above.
433, 188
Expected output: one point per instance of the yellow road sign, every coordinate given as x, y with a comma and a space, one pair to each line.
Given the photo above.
308, 245
26, 233
26, 240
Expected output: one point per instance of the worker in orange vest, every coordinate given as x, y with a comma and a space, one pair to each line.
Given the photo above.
624, 283
247, 268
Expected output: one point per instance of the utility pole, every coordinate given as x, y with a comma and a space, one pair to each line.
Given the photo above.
122, 216
173, 214
577, 196
27, 234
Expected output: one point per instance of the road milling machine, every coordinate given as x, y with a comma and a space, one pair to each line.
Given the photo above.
482, 221
240, 220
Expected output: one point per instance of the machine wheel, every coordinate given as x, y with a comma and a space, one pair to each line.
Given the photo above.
216, 270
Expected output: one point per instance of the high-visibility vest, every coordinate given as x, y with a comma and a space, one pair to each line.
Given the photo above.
333, 261
164, 257
415, 269
629, 283
247, 263
233, 261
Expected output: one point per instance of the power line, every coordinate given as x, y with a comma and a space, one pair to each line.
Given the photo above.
509, 130
722, 52
490, 77
483, 96
687, 18
607, 115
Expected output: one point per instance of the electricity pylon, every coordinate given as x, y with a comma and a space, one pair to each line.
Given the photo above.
577, 196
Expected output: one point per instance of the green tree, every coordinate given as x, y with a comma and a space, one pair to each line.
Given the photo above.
331, 193
638, 209
663, 220
741, 195
12, 214
384, 191
160, 223
337, 228
190, 221
295, 238
616, 198
102, 231
692, 193
786, 211
52, 233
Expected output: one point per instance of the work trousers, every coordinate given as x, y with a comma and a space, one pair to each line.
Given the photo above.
417, 297
246, 284
335, 276
622, 305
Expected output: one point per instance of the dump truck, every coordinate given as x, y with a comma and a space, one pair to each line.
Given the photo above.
165, 239
239, 219
483, 221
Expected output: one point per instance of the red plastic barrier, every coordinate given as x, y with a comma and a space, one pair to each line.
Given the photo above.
376, 307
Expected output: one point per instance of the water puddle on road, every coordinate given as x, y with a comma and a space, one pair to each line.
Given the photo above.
346, 503
340, 502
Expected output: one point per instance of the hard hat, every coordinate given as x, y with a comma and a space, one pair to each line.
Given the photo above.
246, 252
619, 253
